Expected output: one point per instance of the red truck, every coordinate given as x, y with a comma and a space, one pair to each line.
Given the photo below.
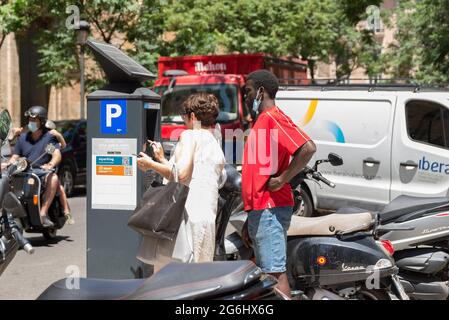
224, 76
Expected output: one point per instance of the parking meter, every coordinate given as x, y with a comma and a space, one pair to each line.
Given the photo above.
120, 118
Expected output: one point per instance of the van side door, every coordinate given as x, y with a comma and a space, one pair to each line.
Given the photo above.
357, 125
420, 165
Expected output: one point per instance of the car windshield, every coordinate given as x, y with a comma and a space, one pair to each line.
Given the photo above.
171, 102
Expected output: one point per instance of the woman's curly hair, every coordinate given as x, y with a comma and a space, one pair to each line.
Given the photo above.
204, 105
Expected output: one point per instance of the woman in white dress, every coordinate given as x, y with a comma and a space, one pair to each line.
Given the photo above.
198, 162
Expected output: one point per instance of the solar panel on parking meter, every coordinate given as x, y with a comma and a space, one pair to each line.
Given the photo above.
120, 118
117, 65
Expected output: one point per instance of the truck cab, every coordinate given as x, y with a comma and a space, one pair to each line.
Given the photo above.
224, 76
227, 88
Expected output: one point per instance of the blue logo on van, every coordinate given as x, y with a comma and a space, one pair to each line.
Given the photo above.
113, 116
437, 167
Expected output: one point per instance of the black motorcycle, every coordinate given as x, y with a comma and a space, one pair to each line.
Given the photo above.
422, 253
26, 186
231, 280
331, 257
11, 238
221, 280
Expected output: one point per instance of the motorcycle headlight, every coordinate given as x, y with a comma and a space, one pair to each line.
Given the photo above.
21, 165
383, 264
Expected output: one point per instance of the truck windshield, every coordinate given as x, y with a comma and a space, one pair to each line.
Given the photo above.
171, 103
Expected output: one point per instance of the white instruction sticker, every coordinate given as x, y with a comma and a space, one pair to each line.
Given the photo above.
114, 174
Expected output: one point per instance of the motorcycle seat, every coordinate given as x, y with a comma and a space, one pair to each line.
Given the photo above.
90, 289
173, 282
189, 281
404, 205
330, 225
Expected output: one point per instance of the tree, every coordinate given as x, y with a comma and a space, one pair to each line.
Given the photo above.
315, 30
421, 49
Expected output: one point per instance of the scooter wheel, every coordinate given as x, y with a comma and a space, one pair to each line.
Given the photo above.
303, 204
49, 234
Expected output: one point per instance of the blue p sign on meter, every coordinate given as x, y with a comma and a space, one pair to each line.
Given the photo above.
113, 116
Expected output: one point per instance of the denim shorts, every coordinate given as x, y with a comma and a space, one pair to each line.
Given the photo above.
268, 232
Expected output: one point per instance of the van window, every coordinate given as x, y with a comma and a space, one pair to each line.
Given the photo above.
425, 123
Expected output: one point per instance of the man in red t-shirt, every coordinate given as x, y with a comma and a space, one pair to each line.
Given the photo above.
267, 169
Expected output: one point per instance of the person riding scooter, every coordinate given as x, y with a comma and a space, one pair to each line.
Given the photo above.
32, 145
50, 125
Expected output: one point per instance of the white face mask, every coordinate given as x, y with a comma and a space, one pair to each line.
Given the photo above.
32, 126
257, 102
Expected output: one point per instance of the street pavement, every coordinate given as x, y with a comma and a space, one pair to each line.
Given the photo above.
28, 275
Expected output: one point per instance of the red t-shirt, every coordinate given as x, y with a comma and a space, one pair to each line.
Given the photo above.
274, 138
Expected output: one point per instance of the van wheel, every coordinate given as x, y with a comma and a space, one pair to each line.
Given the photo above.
303, 203
50, 234
67, 179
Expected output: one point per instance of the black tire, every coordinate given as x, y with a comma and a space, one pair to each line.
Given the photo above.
50, 234
303, 203
366, 294
67, 179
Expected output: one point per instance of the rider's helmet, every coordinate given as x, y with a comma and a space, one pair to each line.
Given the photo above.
37, 112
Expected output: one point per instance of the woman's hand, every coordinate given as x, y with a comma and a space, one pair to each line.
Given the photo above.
17, 131
144, 162
59, 137
158, 151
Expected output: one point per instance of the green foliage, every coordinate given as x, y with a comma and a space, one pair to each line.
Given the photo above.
316, 30
421, 50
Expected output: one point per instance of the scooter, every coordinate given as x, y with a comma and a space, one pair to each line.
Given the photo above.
11, 238
331, 257
223, 280
422, 254
228, 280
27, 188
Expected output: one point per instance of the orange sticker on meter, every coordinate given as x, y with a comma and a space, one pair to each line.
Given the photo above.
110, 170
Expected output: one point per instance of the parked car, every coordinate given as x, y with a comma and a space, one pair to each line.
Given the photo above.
72, 170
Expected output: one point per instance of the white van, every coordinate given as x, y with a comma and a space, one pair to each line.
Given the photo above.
393, 141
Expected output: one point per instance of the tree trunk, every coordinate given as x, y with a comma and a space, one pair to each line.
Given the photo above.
311, 64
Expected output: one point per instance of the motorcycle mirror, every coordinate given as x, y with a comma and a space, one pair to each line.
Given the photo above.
5, 124
50, 148
335, 159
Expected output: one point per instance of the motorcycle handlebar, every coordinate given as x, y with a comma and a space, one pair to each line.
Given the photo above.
319, 177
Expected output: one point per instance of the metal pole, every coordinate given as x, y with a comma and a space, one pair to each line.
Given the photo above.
82, 82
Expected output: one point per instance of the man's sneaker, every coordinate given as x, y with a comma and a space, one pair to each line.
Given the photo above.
47, 223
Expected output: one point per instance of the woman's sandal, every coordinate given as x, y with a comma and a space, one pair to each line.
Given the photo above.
69, 218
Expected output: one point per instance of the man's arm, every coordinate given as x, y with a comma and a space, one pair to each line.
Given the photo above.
55, 158
54, 162
300, 159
